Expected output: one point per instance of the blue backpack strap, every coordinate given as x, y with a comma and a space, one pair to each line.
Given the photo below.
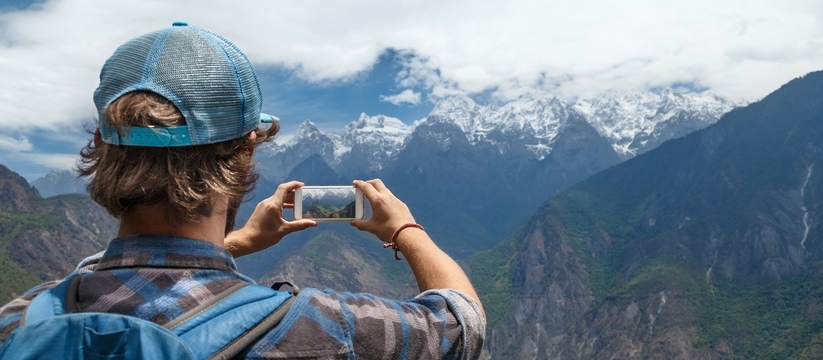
51, 302
243, 316
244, 341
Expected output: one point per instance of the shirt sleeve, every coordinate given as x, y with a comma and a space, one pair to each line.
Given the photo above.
470, 318
433, 325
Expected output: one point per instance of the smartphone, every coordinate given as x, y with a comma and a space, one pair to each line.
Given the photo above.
328, 203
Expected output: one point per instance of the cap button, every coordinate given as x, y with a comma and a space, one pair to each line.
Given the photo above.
180, 23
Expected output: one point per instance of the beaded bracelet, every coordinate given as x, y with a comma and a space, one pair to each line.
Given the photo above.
393, 244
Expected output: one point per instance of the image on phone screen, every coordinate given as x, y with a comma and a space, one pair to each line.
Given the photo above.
328, 203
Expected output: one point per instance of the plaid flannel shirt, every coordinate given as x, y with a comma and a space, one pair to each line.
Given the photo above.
159, 278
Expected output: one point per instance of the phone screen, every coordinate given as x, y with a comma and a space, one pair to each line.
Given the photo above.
329, 203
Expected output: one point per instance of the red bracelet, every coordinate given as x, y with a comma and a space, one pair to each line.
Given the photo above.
393, 244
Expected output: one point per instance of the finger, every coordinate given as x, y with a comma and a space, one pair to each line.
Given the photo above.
378, 184
360, 224
367, 188
297, 225
288, 202
284, 189
289, 197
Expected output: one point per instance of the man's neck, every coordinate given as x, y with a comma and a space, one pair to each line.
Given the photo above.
154, 220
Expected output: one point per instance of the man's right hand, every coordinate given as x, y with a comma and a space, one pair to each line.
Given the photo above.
388, 212
266, 226
432, 267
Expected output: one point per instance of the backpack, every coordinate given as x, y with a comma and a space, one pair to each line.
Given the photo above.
218, 329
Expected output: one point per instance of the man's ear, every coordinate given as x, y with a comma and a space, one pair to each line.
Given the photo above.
98, 139
252, 137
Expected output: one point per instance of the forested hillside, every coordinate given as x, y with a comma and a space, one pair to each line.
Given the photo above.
44, 239
707, 247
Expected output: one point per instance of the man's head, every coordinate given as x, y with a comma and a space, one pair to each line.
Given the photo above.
179, 114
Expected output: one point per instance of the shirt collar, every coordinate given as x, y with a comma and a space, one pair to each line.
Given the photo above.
165, 251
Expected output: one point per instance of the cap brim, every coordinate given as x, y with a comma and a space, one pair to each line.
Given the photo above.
266, 118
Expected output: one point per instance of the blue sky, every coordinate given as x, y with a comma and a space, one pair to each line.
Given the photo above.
330, 105
329, 61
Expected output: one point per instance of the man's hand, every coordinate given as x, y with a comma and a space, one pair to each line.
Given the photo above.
266, 226
432, 267
388, 212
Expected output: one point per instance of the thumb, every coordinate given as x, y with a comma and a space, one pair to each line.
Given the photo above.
298, 225
360, 224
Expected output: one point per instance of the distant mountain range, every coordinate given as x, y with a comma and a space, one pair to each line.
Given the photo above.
708, 247
631, 121
470, 172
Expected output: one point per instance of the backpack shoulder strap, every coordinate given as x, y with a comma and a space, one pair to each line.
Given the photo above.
243, 341
199, 309
233, 320
52, 302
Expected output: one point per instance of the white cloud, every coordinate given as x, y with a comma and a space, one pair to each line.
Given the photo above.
440, 91
406, 97
50, 55
21, 155
53, 161
9, 144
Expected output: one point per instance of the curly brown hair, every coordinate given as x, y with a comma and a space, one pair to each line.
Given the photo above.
182, 179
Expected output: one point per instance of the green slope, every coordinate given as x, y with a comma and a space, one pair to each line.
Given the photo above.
713, 219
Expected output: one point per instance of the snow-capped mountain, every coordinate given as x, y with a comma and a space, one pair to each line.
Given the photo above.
488, 164
636, 121
276, 160
531, 123
363, 146
386, 132
632, 121
369, 143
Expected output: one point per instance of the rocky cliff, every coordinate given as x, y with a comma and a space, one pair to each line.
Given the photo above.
44, 239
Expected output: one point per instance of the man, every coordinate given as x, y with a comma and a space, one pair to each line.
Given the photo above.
179, 115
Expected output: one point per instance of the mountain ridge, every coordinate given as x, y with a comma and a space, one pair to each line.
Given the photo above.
668, 254
522, 152
533, 118
45, 239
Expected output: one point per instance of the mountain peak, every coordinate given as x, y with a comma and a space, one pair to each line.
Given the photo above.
60, 182
374, 122
454, 103
534, 102
308, 130
16, 195
386, 132
633, 120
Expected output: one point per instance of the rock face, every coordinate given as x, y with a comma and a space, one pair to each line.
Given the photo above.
16, 195
44, 239
707, 247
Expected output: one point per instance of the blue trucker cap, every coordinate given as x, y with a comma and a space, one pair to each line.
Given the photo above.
209, 79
